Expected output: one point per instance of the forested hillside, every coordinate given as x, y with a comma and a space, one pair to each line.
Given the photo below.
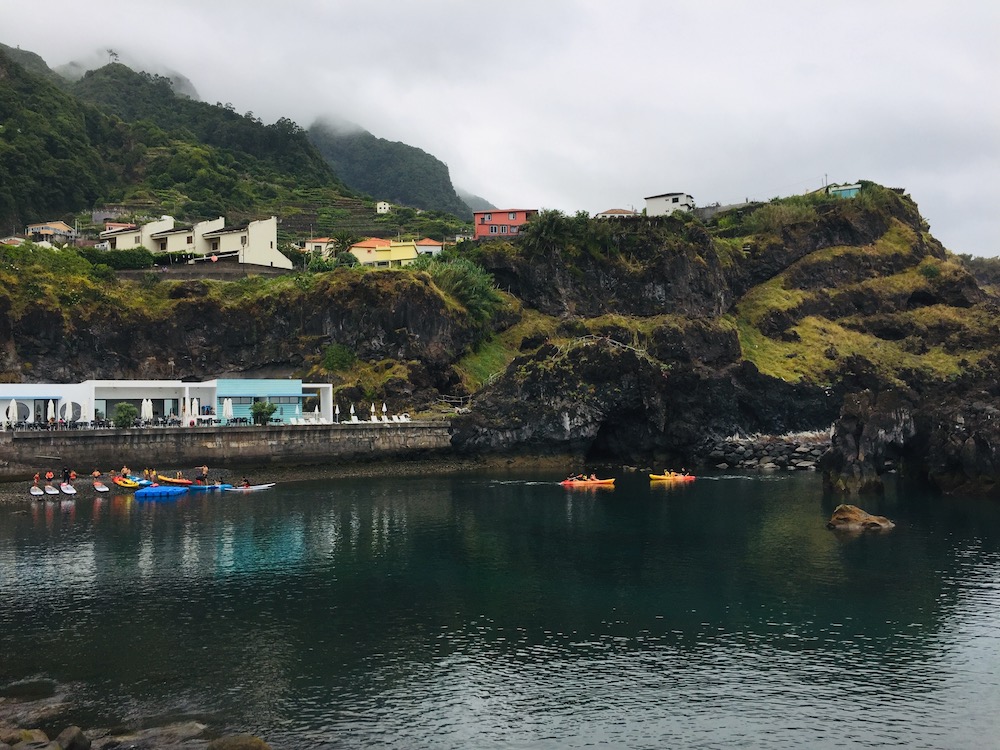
388, 170
57, 155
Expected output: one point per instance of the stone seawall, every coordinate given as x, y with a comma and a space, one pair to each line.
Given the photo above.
24, 453
794, 452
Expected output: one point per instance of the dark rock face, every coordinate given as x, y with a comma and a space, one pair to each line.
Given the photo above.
605, 400
948, 436
378, 316
871, 430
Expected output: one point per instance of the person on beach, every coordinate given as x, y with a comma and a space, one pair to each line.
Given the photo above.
37, 477
49, 476
95, 473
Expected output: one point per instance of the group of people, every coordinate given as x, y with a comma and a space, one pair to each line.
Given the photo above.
581, 478
68, 476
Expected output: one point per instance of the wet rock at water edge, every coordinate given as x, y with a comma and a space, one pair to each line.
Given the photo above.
853, 518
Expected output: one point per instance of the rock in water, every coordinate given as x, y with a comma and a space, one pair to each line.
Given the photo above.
852, 518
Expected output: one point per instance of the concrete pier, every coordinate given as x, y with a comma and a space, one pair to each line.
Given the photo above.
23, 453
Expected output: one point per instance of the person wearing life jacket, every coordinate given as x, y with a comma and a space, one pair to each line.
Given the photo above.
49, 476
37, 477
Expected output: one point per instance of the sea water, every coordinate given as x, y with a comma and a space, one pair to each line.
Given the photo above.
504, 611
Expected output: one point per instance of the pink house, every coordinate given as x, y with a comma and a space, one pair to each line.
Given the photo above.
501, 222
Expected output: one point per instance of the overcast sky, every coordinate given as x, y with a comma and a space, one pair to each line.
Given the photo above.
593, 104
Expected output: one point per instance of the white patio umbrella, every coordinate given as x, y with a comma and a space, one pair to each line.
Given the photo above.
194, 408
373, 407
84, 411
336, 412
352, 409
227, 409
383, 407
12, 412
50, 412
298, 410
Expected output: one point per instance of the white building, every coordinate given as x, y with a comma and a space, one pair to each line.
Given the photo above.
197, 403
128, 238
383, 207
616, 213
186, 239
255, 243
667, 203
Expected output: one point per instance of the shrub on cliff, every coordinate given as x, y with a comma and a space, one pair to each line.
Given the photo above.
468, 284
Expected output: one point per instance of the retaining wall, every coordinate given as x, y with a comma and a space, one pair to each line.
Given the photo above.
25, 452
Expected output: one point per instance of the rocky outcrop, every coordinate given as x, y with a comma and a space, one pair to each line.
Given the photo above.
871, 431
852, 518
603, 399
197, 334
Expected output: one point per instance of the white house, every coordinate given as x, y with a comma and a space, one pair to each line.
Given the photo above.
427, 246
129, 237
616, 213
189, 239
383, 207
667, 203
255, 243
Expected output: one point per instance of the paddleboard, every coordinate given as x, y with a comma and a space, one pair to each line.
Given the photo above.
251, 488
100, 486
50, 490
36, 490
67, 488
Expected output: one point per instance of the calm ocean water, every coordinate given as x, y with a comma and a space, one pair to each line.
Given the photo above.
488, 611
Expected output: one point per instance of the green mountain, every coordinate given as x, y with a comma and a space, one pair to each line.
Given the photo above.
57, 154
388, 170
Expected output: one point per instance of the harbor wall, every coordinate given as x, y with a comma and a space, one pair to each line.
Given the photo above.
23, 453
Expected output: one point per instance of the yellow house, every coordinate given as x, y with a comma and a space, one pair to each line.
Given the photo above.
379, 253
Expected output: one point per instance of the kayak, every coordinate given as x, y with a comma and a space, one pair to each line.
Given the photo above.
159, 490
587, 482
124, 483
36, 490
140, 481
251, 488
174, 480
672, 477
67, 488
50, 490
100, 486
208, 487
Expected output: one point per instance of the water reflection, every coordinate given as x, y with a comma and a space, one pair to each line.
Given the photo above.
469, 611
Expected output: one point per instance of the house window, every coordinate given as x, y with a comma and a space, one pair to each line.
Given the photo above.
513, 230
493, 229
215, 245
243, 240
676, 199
503, 229
488, 217
190, 240
163, 246
512, 216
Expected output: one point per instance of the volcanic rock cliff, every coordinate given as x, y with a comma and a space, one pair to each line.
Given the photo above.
628, 340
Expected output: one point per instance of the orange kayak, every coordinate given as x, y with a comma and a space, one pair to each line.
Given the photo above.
173, 480
587, 482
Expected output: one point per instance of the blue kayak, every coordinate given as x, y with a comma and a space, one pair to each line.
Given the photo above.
207, 487
159, 490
